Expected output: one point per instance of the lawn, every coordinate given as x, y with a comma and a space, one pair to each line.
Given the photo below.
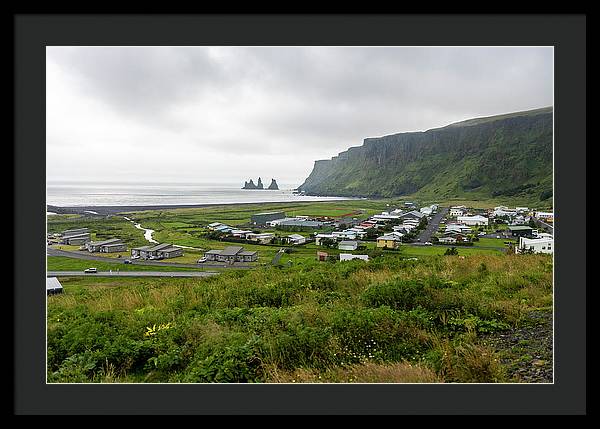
492, 242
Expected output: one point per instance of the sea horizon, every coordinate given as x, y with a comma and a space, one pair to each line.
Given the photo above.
90, 193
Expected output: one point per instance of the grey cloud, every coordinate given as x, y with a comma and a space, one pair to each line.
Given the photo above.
278, 100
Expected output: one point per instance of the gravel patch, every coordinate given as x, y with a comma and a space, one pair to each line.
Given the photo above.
526, 352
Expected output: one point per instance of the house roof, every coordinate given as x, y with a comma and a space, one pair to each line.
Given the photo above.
52, 283
171, 249
520, 228
231, 250
389, 237
267, 213
142, 248
159, 247
348, 243
248, 253
414, 213
213, 252
113, 244
105, 242
296, 236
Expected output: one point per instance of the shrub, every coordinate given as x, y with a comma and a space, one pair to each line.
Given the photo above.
399, 294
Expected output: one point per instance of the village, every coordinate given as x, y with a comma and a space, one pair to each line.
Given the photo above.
513, 230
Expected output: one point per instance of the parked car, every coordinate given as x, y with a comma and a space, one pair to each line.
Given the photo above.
428, 243
201, 260
127, 261
90, 270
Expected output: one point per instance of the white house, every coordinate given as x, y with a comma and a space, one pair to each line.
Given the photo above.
426, 210
456, 228
348, 245
385, 217
457, 211
547, 216
537, 245
503, 211
296, 239
349, 256
241, 233
320, 237
264, 238
53, 285
344, 235
447, 240
359, 232
473, 220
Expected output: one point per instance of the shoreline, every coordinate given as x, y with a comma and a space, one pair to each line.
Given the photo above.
109, 210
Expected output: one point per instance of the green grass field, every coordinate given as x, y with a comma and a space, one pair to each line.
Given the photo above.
385, 320
62, 263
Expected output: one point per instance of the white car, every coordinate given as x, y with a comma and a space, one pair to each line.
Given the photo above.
201, 260
428, 243
90, 270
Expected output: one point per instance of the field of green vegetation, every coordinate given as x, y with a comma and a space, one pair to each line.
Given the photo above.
387, 320
61, 263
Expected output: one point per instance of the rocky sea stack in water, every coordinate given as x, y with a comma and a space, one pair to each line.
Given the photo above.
259, 185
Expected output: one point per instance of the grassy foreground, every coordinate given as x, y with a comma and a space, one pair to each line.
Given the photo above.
388, 320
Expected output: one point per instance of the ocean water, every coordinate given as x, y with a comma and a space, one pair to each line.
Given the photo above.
72, 194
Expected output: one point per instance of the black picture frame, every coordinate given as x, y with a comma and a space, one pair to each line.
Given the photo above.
33, 32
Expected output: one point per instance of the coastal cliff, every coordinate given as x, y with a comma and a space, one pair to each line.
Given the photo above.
504, 155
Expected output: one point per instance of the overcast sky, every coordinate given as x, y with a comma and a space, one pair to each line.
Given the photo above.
228, 114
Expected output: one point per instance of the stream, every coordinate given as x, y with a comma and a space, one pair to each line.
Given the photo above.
147, 232
148, 235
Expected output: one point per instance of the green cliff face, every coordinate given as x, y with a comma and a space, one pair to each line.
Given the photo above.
500, 156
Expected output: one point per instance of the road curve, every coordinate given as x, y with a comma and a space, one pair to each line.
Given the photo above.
131, 274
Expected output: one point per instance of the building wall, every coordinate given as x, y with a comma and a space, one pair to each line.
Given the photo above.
262, 219
387, 243
113, 249
172, 254
542, 246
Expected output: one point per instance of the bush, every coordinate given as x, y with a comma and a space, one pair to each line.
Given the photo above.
398, 294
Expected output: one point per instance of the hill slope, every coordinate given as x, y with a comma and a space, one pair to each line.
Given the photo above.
506, 155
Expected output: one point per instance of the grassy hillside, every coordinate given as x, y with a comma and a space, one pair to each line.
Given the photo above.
505, 156
388, 320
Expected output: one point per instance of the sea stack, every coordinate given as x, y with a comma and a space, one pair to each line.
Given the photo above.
249, 185
259, 185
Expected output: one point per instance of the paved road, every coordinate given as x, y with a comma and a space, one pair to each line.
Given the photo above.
132, 274
92, 257
433, 225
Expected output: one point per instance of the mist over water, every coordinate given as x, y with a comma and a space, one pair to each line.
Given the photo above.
73, 194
